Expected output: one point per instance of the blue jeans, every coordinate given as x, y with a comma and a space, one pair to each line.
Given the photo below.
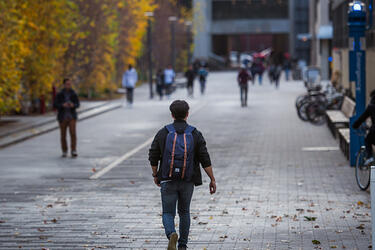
171, 192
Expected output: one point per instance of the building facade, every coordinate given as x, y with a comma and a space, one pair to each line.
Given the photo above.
321, 32
222, 26
340, 48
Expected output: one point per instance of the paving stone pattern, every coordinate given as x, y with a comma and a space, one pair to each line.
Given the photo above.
271, 194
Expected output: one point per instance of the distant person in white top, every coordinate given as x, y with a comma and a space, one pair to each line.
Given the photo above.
169, 77
129, 80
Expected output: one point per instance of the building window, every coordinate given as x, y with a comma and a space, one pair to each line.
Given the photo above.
249, 9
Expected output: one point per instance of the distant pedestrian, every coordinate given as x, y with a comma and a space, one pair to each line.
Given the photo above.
257, 68
287, 67
203, 73
178, 149
276, 75
169, 77
160, 83
66, 103
243, 79
190, 76
129, 80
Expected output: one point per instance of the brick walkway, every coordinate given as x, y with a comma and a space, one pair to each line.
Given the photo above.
268, 188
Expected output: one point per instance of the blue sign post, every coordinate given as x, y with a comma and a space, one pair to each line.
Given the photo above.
357, 68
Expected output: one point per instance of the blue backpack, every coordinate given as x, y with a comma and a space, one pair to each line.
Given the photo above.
178, 157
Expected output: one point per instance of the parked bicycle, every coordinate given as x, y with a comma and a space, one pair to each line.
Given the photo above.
362, 168
313, 105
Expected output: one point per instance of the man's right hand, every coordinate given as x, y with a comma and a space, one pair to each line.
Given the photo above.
212, 187
156, 181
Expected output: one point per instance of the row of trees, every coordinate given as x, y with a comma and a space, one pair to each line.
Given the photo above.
90, 41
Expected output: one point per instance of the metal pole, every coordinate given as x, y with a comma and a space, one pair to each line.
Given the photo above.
149, 45
173, 45
189, 44
372, 190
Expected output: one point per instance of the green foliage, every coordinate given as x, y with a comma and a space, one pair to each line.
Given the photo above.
42, 41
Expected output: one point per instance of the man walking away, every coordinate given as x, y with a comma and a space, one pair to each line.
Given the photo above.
203, 78
243, 78
178, 149
190, 76
129, 80
169, 77
66, 103
160, 83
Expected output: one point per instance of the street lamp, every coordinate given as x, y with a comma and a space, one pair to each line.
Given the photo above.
173, 20
149, 15
188, 25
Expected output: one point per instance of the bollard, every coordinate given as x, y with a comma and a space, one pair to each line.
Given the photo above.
372, 190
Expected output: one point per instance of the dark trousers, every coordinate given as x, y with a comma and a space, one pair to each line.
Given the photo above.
159, 90
203, 85
168, 89
190, 87
71, 124
369, 141
243, 94
174, 192
129, 95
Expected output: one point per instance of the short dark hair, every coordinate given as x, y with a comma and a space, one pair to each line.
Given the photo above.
179, 109
65, 80
130, 66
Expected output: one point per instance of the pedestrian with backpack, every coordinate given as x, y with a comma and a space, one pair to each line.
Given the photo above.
175, 155
203, 73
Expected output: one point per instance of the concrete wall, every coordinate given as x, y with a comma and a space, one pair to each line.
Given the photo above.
202, 28
341, 63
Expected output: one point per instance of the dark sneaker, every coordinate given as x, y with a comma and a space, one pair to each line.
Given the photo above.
74, 153
64, 154
172, 241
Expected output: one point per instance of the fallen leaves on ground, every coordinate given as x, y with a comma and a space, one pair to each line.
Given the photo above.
360, 203
315, 242
49, 206
202, 223
54, 220
308, 218
361, 227
93, 170
41, 230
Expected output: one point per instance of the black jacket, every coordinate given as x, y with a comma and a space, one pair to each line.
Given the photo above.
60, 100
201, 155
369, 112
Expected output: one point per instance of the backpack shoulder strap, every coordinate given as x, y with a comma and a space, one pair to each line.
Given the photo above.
189, 129
170, 128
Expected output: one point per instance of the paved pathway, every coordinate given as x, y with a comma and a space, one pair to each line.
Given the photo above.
268, 188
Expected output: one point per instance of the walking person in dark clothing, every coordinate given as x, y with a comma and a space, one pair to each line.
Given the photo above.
203, 73
66, 103
243, 79
370, 138
190, 76
160, 83
178, 149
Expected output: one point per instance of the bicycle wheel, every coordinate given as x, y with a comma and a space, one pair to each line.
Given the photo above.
316, 112
362, 172
301, 111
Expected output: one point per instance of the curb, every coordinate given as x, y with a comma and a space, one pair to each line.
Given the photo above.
50, 125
